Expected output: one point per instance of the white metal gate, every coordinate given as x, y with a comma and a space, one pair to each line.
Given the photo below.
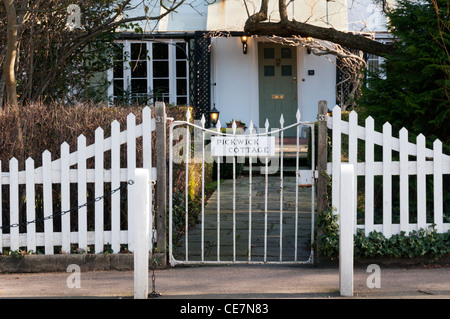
257, 219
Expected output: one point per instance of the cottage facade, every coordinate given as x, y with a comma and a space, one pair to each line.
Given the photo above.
196, 56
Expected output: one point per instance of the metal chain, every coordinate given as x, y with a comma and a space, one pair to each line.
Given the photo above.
97, 199
153, 294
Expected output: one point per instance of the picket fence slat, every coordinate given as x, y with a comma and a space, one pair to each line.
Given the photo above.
369, 172
421, 182
14, 202
427, 162
65, 198
115, 183
147, 151
336, 156
131, 165
438, 186
30, 205
353, 156
99, 185
387, 180
404, 180
82, 193
48, 202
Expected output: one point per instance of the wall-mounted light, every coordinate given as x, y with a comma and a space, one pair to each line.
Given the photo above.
214, 114
309, 39
244, 44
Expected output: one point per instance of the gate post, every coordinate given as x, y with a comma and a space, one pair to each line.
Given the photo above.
141, 232
161, 184
346, 221
322, 159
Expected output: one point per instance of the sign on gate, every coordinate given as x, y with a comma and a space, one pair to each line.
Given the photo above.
243, 145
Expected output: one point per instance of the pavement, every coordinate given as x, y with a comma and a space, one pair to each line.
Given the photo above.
234, 282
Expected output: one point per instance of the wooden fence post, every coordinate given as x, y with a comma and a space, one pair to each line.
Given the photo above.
161, 184
322, 159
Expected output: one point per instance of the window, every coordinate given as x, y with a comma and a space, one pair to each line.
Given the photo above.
138, 70
146, 72
286, 53
118, 77
161, 87
269, 53
269, 70
286, 70
374, 62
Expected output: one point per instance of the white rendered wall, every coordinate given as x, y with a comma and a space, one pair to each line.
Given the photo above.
320, 86
366, 16
235, 75
236, 94
231, 15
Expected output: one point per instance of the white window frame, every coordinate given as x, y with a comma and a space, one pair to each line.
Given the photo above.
172, 70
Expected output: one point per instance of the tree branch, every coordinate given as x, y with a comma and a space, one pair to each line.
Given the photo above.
295, 28
283, 11
11, 52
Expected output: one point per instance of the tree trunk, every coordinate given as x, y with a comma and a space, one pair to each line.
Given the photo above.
295, 28
11, 53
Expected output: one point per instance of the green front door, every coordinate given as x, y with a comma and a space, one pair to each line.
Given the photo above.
277, 85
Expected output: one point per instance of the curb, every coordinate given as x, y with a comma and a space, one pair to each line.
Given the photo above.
59, 263
125, 262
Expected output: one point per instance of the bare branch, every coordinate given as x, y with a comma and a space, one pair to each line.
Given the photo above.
283, 11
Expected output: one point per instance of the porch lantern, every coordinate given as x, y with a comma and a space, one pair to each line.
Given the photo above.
214, 114
244, 44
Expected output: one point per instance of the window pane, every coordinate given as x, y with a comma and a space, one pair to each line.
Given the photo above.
139, 69
269, 53
181, 51
286, 53
118, 87
160, 51
118, 69
161, 69
181, 100
160, 87
373, 65
286, 70
138, 86
138, 51
181, 87
118, 51
269, 70
181, 69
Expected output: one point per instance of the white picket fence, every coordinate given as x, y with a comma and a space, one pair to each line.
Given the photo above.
427, 162
61, 172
